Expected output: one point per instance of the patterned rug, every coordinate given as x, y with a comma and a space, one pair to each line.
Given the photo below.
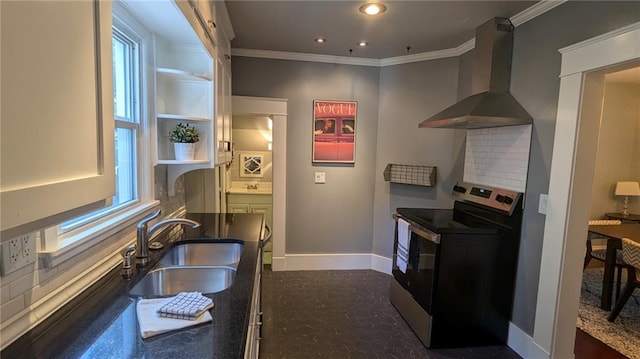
624, 334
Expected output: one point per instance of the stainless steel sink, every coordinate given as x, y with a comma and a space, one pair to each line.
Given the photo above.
200, 265
203, 254
173, 280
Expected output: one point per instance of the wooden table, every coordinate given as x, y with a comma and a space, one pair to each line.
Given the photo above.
614, 234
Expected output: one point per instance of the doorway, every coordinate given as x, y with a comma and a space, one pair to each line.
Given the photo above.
249, 176
276, 110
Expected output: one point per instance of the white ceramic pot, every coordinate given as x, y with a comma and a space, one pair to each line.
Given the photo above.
184, 151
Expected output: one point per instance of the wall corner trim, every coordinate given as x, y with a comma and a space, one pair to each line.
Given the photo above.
523, 344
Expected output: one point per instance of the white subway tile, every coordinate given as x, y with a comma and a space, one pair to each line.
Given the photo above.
11, 308
4, 293
22, 285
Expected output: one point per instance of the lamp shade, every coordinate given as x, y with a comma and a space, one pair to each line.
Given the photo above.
627, 189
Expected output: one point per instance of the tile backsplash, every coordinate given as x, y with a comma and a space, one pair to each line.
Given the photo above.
31, 293
498, 156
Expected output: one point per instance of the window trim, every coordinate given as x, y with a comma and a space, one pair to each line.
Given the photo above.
55, 248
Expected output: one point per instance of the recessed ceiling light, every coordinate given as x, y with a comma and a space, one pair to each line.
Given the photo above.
363, 43
320, 40
373, 8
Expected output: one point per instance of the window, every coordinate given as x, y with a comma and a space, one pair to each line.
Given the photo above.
126, 94
131, 47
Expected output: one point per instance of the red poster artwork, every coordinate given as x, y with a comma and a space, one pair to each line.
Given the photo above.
334, 131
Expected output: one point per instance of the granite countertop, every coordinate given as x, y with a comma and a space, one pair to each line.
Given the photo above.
102, 321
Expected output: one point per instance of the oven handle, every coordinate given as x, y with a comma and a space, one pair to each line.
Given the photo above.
424, 233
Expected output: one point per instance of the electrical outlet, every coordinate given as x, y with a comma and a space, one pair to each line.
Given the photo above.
28, 243
15, 251
18, 252
11, 254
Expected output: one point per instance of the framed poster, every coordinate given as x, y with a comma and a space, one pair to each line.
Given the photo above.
334, 131
251, 165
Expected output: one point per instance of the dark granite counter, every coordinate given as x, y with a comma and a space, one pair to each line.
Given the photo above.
102, 321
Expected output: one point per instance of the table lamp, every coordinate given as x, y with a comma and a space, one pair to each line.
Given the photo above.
627, 189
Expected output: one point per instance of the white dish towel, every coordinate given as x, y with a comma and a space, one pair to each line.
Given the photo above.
404, 235
151, 323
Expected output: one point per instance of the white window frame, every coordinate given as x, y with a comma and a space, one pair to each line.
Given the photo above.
57, 247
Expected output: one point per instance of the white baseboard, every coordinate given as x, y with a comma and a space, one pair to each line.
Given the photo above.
327, 261
524, 345
337, 261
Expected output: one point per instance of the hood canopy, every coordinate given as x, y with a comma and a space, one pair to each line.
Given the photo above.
492, 105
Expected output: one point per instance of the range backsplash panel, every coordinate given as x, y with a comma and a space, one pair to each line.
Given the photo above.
498, 156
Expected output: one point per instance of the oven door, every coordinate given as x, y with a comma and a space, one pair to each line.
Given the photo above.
422, 264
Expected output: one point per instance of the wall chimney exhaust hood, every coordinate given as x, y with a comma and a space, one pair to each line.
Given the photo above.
491, 105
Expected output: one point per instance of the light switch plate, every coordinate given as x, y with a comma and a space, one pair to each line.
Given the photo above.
542, 204
320, 177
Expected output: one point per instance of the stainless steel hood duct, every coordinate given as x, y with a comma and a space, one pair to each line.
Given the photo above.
491, 105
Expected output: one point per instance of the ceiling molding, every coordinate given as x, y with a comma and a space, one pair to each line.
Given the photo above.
297, 56
432, 55
530, 13
534, 11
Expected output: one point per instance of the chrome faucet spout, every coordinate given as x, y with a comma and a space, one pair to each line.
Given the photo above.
144, 234
170, 221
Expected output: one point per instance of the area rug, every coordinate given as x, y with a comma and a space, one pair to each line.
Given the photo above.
624, 334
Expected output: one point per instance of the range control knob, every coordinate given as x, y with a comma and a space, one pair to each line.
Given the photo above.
500, 198
459, 189
508, 200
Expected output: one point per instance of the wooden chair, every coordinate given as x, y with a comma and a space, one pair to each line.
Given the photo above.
631, 256
601, 254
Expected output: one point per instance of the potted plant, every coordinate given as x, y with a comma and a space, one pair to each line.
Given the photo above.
184, 138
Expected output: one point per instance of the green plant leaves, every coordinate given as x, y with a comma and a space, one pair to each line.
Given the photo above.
184, 133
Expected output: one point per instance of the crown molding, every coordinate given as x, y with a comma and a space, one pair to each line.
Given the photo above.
522, 17
534, 11
431, 55
298, 56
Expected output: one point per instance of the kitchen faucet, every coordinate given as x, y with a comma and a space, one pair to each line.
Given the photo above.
144, 234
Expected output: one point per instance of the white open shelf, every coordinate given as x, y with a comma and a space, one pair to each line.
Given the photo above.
168, 116
183, 75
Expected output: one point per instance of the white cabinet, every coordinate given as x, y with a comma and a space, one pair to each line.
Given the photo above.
251, 203
254, 203
223, 109
57, 127
211, 23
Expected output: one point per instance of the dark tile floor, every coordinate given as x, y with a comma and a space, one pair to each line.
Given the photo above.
343, 314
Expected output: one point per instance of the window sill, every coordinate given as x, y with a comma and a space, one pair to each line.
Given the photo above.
83, 240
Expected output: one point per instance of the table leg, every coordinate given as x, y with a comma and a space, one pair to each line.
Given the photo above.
607, 280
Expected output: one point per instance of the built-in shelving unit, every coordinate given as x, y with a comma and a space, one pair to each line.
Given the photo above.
192, 79
183, 75
184, 93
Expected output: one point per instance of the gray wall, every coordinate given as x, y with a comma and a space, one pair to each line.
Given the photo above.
323, 219
408, 95
334, 217
535, 83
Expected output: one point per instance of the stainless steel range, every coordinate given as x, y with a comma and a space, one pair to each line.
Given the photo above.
455, 269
